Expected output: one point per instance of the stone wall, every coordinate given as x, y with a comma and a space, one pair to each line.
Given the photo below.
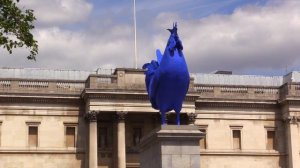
51, 150
34, 160
241, 162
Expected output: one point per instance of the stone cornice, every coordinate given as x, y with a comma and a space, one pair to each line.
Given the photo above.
235, 105
241, 153
41, 151
121, 94
116, 96
293, 102
245, 101
40, 98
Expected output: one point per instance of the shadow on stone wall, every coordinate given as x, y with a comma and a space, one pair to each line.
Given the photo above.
82, 139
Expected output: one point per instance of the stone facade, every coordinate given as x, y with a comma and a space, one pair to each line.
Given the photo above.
48, 122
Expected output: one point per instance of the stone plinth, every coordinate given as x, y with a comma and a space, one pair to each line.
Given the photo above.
171, 146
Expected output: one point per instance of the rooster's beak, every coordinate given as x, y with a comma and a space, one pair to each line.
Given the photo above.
170, 30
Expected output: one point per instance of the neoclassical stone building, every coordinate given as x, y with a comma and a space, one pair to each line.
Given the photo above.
79, 119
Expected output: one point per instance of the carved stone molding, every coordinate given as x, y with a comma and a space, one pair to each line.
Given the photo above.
91, 116
292, 119
200, 105
57, 99
121, 115
192, 117
136, 95
118, 96
293, 102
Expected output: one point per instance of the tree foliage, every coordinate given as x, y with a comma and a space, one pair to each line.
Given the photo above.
15, 27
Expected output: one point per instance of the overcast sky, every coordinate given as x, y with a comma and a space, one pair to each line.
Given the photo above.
244, 36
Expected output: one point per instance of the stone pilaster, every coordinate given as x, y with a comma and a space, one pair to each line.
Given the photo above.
121, 139
91, 117
292, 123
192, 118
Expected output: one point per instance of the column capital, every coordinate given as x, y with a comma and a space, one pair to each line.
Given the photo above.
292, 119
121, 115
91, 116
192, 118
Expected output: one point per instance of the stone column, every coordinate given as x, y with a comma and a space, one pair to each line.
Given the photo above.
93, 146
293, 142
121, 139
192, 118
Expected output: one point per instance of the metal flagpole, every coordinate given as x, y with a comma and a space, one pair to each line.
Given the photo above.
135, 48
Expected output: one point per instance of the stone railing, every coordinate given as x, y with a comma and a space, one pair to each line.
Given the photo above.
289, 90
101, 82
293, 89
134, 80
94, 81
41, 86
237, 92
113, 82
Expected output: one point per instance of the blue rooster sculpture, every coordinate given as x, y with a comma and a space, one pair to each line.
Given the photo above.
167, 79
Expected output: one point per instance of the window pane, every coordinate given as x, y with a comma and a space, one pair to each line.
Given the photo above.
102, 140
271, 140
137, 136
203, 140
236, 139
0, 133
70, 136
33, 136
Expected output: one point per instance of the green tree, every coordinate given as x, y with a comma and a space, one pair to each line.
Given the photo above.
15, 27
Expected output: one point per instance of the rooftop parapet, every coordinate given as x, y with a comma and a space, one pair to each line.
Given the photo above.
247, 80
199, 78
205, 85
45, 74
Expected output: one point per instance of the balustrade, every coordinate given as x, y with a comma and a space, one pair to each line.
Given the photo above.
237, 92
112, 82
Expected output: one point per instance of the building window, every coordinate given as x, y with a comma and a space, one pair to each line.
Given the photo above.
202, 142
137, 136
103, 137
33, 134
271, 139
236, 137
70, 136
0, 132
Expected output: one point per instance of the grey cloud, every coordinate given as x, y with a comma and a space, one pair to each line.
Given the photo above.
252, 37
64, 49
262, 38
58, 12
